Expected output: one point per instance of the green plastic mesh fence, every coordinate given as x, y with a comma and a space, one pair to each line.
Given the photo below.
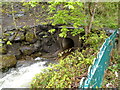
96, 71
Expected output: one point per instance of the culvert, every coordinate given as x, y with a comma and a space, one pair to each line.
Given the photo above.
67, 43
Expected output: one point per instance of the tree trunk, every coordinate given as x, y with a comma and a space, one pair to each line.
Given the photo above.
92, 17
85, 21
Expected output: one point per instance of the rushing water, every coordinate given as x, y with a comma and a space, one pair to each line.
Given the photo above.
22, 76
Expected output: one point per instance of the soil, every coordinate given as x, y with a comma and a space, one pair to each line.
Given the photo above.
22, 19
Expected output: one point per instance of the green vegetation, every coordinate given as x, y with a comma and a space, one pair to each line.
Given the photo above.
92, 16
111, 77
65, 73
88, 15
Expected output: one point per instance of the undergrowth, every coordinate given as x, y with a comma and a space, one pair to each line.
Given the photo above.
111, 77
63, 75
68, 72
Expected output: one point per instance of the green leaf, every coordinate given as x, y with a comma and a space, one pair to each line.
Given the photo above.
70, 6
51, 30
63, 34
9, 43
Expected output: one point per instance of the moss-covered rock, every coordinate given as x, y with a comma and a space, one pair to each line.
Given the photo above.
14, 50
7, 61
30, 37
9, 35
27, 50
3, 50
20, 36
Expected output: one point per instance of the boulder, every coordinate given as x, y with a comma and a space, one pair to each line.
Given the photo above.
27, 50
20, 36
3, 50
37, 44
9, 35
30, 37
7, 61
14, 50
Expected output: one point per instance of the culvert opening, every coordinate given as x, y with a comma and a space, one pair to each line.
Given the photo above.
67, 43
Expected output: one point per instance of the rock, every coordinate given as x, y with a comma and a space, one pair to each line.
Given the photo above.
37, 54
20, 36
31, 48
14, 50
7, 61
27, 50
2, 42
24, 63
37, 44
30, 37
9, 35
38, 29
3, 50
38, 58
9, 32
46, 27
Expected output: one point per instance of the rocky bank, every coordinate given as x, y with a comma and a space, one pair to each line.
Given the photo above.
28, 42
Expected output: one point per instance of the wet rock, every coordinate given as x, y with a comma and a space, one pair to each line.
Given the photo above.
10, 38
38, 29
19, 14
9, 35
7, 61
37, 44
30, 37
2, 42
37, 54
27, 50
24, 63
20, 36
46, 27
9, 32
14, 50
3, 50
43, 27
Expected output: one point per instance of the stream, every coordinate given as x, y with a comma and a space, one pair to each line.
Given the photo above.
22, 76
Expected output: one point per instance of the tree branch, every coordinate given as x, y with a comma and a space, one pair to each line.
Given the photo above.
13, 15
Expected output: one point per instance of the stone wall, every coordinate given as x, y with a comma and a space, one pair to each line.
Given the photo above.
29, 41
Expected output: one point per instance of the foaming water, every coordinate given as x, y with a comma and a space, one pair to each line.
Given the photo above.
22, 76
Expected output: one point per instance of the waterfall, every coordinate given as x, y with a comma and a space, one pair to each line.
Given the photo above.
22, 76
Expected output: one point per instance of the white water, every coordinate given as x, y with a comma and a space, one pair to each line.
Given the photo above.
22, 76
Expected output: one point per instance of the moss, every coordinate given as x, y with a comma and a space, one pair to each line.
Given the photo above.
20, 36
3, 50
7, 61
27, 50
30, 37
